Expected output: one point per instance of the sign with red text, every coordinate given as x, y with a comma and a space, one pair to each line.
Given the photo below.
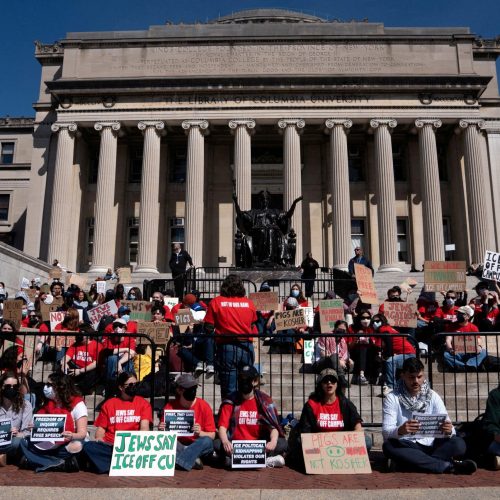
491, 266
97, 313
140, 310
365, 284
265, 301
335, 453
56, 317
402, 314
441, 276
330, 311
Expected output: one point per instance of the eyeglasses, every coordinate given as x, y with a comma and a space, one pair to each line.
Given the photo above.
10, 386
329, 380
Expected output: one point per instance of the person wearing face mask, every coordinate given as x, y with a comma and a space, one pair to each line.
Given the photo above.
15, 408
61, 398
250, 414
110, 420
296, 293
447, 313
134, 294
191, 449
455, 353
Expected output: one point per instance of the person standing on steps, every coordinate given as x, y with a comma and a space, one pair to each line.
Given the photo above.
178, 263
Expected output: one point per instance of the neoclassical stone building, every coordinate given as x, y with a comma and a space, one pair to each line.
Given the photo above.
391, 135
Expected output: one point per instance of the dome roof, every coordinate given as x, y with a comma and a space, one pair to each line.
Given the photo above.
267, 16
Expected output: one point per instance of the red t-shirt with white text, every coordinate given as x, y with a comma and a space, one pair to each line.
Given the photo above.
247, 427
84, 353
328, 416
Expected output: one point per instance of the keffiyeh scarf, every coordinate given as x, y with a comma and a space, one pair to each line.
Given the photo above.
418, 403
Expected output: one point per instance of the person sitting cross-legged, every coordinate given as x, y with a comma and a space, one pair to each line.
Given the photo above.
412, 394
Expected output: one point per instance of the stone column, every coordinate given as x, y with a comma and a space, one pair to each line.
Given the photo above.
195, 173
492, 129
149, 215
61, 197
386, 196
476, 178
341, 200
293, 176
431, 189
104, 235
243, 161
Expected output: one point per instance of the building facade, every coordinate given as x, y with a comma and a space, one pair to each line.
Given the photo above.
391, 135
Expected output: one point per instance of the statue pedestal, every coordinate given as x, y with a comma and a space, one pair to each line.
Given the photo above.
259, 275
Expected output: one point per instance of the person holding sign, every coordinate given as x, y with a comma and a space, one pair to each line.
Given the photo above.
467, 351
327, 410
196, 441
126, 412
249, 414
16, 416
62, 399
404, 441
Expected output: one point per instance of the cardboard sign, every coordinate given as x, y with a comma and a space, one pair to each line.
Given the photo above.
140, 310
248, 454
55, 273
441, 276
184, 319
429, 425
330, 311
290, 319
100, 286
46, 309
158, 332
47, 427
56, 317
62, 341
265, 301
170, 301
401, 314
106, 309
32, 294
124, 275
5, 432
179, 421
309, 351
491, 266
143, 454
78, 281
13, 311
29, 342
335, 453
365, 284
493, 345
466, 344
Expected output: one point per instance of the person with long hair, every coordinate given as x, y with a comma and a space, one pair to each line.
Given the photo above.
296, 293
61, 398
15, 408
110, 420
231, 316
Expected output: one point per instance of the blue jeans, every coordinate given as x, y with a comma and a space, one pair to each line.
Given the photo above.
112, 366
230, 359
203, 349
42, 460
187, 454
393, 364
461, 360
99, 455
494, 448
12, 448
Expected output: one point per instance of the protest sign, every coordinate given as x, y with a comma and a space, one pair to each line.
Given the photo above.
78, 281
491, 266
402, 314
466, 344
62, 341
56, 317
330, 311
46, 309
265, 301
143, 454
124, 275
107, 309
158, 332
13, 311
493, 345
5, 432
248, 454
32, 294
309, 351
290, 319
441, 276
430, 425
184, 319
170, 301
179, 421
100, 286
335, 453
47, 427
55, 273
309, 315
365, 284
140, 310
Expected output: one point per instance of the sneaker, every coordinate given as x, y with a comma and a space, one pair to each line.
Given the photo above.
496, 462
463, 467
199, 369
275, 462
210, 370
198, 464
386, 390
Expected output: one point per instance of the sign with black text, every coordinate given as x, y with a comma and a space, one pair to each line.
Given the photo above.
294, 318
5, 432
430, 425
179, 421
491, 266
248, 454
47, 427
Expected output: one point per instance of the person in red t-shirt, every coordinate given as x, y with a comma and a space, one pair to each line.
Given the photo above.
120, 351
447, 313
231, 316
458, 355
127, 412
191, 449
250, 414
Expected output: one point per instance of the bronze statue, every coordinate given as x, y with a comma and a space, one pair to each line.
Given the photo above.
265, 237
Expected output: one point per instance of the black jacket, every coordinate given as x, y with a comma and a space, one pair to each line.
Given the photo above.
179, 262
